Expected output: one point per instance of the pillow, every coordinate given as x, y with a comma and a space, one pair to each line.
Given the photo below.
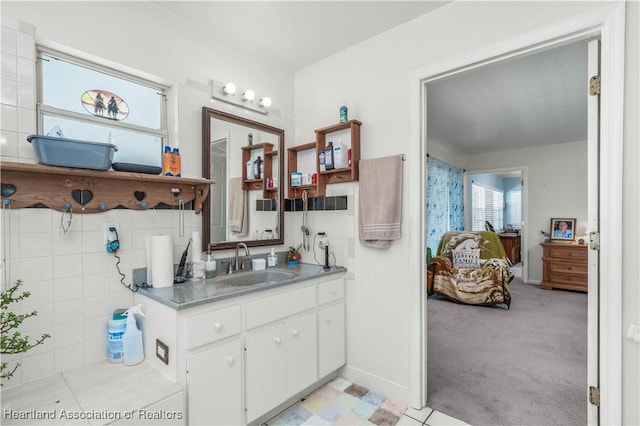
466, 259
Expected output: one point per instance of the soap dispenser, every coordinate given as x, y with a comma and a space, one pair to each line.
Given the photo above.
272, 259
132, 338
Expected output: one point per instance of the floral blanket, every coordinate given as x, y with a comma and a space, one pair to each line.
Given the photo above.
472, 268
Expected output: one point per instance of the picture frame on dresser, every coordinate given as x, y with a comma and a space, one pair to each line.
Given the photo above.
562, 229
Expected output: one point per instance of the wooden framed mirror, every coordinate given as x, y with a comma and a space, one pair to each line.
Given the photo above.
229, 142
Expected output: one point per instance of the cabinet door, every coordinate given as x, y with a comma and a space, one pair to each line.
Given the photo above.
265, 370
331, 339
302, 353
214, 379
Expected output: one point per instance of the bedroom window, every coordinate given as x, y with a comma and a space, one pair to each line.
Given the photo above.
487, 206
83, 100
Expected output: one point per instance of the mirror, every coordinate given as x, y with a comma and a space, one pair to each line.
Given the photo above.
241, 207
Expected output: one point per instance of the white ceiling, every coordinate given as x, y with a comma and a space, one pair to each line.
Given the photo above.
296, 34
533, 100
539, 99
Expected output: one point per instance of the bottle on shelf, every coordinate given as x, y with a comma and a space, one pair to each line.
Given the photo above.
343, 114
340, 160
321, 161
171, 162
250, 173
328, 156
258, 168
176, 161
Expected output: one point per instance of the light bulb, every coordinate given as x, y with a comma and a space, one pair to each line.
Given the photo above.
265, 102
248, 95
229, 89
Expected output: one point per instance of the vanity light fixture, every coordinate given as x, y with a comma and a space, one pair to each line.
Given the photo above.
265, 102
228, 89
248, 95
226, 92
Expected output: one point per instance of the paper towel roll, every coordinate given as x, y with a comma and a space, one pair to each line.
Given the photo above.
196, 247
159, 260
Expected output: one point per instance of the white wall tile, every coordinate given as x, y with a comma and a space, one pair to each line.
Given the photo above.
26, 71
26, 96
9, 40
46, 345
123, 299
37, 367
67, 266
95, 350
36, 220
142, 219
26, 152
8, 144
68, 358
8, 92
27, 121
95, 263
68, 334
25, 46
67, 289
94, 242
67, 243
43, 319
95, 307
95, 285
9, 118
93, 222
95, 328
36, 269
68, 311
36, 245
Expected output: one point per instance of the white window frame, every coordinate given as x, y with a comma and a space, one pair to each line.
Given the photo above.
497, 225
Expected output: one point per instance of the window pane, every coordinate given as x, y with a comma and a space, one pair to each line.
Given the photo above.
133, 147
64, 83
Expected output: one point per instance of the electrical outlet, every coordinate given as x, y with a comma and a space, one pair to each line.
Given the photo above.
323, 242
108, 235
162, 351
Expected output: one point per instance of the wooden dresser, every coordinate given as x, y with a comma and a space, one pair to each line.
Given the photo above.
511, 243
564, 265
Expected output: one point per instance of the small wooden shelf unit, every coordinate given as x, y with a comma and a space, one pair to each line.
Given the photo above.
564, 266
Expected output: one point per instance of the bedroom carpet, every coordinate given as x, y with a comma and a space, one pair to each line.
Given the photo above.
523, 366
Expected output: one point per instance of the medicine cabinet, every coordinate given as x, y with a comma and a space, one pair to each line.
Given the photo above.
349, 133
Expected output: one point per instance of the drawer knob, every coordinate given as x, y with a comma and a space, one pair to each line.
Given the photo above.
327, 320
333, 291
217, 326
294, 332
277, 340
231, 360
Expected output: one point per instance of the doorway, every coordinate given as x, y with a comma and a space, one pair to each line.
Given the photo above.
608, 23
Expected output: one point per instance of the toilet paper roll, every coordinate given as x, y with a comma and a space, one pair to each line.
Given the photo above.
159, 260
196, 247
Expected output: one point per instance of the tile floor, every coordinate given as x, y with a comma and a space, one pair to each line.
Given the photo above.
341, 402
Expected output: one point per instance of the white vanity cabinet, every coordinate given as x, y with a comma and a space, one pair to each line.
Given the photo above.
241, 358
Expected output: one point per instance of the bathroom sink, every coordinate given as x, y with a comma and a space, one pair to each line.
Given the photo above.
257, 277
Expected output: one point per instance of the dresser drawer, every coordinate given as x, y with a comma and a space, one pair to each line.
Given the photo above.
567, 252
568, 268
211, 326
576, 279
330, 291
272, 308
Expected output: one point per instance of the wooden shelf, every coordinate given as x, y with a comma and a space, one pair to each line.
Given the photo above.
249, 184
93, 191
347, 174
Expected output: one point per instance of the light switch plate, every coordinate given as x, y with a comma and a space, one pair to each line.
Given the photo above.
162, 351
633, 332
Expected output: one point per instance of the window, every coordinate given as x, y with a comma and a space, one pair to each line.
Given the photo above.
487, 206
86, 101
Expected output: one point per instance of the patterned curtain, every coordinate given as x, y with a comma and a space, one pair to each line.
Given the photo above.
445, 201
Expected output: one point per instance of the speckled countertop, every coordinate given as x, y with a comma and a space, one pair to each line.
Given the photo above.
194, 293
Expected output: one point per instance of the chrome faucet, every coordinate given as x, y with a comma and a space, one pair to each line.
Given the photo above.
237, 259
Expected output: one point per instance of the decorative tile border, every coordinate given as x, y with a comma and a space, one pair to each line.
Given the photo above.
338, 202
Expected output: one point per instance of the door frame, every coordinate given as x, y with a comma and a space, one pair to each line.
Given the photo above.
608, 23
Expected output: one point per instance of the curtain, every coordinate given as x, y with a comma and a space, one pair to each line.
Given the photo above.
445, 201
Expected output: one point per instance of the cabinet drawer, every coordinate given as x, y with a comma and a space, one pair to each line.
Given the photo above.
567, 252
211, 326
568, 268
568, 278
263, 311
330, 291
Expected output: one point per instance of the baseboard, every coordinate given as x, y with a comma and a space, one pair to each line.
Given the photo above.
377, 384
536, 282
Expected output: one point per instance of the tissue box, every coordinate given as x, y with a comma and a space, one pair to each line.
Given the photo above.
62, 152
258, 264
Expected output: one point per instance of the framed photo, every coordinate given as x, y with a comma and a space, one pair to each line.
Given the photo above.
562, 229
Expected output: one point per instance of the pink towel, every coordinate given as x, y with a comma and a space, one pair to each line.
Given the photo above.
380, 201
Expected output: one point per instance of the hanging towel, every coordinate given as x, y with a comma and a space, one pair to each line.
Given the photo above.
380, 201
238, 217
